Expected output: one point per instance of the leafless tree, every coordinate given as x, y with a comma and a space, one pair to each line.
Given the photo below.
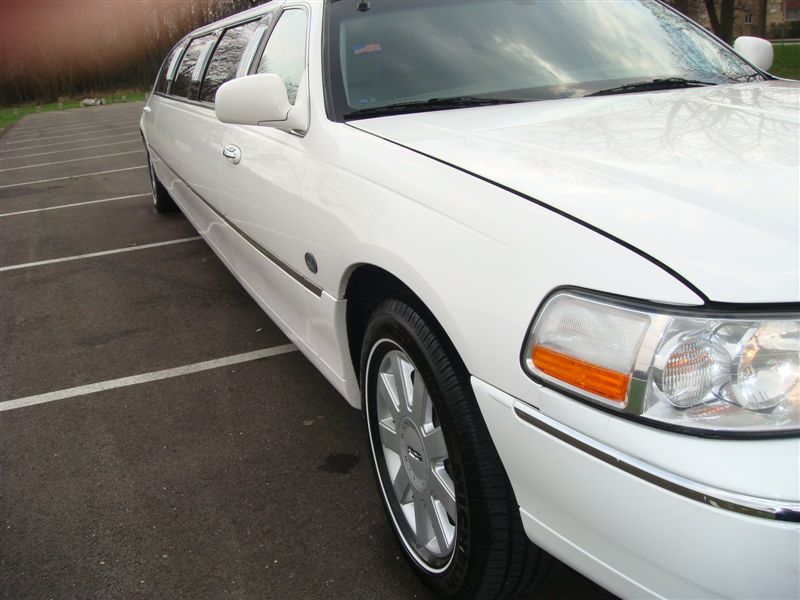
720, 15
53, 48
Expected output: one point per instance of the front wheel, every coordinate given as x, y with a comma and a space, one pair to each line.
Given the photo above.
443, 485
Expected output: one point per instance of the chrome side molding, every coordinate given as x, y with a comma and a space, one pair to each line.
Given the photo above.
739, 503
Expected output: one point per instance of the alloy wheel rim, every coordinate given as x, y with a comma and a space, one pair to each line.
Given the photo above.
416, 459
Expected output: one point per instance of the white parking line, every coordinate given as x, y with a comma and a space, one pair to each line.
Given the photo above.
100, 137
58, 137
136, 141
35, 210
67, 127
147, 377
11, 185
53, 261
70, 116
61, 162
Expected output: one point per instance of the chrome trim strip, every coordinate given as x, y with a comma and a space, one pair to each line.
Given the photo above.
250, 51
311, 287
206, 105
775, 510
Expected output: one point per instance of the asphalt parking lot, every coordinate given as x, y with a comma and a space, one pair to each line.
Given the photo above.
159, 436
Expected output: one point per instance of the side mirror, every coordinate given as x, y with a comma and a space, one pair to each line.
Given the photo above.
261, 100
757, 51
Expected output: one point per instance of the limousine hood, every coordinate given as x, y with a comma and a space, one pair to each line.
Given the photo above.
704, 180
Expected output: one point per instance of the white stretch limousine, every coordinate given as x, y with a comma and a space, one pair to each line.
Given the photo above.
550, 248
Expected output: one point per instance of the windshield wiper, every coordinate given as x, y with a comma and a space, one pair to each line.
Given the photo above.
668, 83
430, 104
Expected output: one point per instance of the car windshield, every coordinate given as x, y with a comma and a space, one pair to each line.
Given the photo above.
385, 53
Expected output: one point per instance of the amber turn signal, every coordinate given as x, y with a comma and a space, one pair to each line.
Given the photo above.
586, 376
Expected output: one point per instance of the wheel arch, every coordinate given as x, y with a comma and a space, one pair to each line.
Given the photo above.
367, 285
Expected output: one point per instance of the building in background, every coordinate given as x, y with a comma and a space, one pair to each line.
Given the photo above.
782, 18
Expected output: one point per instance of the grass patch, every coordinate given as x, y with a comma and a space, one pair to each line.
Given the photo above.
11, 114
787, 61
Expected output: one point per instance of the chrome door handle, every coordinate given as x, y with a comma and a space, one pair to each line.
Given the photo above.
232, 153
147, 109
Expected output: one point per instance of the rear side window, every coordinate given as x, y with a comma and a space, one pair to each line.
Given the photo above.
285, 53
166, 69
225, 61
187, 71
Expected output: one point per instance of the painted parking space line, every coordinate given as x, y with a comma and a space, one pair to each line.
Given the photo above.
101, 137
111, 384
75, 204
70, 116
68, 128
53, 261
58, 137
13, 185
61, 162
136, 141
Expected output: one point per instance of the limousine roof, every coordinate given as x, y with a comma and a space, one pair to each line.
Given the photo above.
249, 14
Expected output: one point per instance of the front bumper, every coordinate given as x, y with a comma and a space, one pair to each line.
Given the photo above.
638, 529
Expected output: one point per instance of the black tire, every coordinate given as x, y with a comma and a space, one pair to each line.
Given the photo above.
162, 201
491, 557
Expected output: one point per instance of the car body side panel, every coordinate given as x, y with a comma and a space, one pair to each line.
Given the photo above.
462, 245
235, 251
259, 196
189, 139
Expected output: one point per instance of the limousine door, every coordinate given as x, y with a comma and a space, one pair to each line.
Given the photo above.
261, 183
189, 132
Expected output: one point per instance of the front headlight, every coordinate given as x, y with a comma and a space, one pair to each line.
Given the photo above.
682, 368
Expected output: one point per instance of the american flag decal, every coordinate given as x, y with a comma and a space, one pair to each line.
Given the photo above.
367, 49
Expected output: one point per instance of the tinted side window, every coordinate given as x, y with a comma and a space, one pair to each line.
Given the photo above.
162, 82
186, 71
285, 53
225, 60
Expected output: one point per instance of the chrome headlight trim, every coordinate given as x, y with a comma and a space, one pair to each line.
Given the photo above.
640, 374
